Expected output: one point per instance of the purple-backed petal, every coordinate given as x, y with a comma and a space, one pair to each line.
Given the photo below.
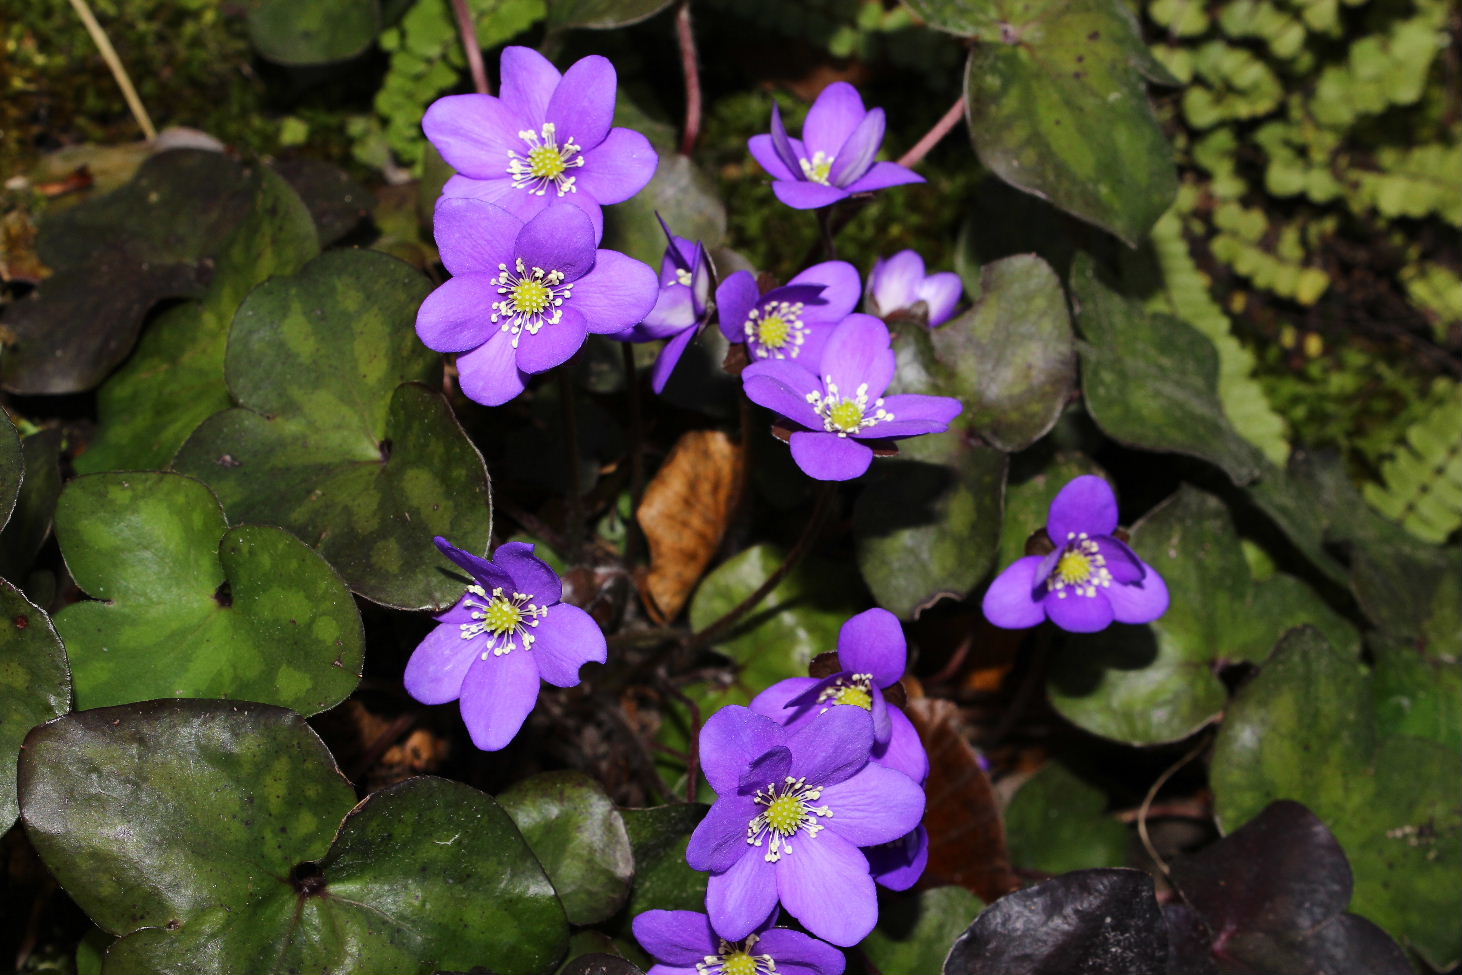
766, 771
458, 613
778, 702
832, 118
474, 133
719, 840
668, 359
856, 155
900, 864
740, 898
530, 574
674, 312
858, 352
940, 294
1122, 562
1009, 603
824, 883
528, 82
672, 970
676, 937
882, 175
497, 696
841, 290
798, 954
619, 292
566, 639
903, 752
1079, 614
1085, 504
525, 206
621, 166
879, 709
878, 805
561, 238
894, 282
807, 196
474, 237
582, 106
765, 152
554, 344
489, 373
1139, 602
789, 153
736, 295
480, 569
828, 457
782, 387
915, 414
493, 190
731, 739
873, 643
832, 747
438, 665
457, 315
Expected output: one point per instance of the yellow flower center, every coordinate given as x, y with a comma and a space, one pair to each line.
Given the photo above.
856, 696
738, 963
531, 297
786, 811
818, 168
847, 415
773, 331
501, 616
844, 415
545, 162
504, 618
1081, 569
736, 958
1073, 567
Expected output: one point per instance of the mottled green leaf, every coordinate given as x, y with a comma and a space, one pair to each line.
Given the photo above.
1418, 697
175, 379
687, 199
928, 522
1309, 727
1151, 381
317, 32
915, 930
30, 522
208, 844
963, 17
601, 14
798, 620
1056, 105
578, 837
335, 439
114, 257
663, 881
1057, 822
35, 684
1150, 684
12, 467
187, 607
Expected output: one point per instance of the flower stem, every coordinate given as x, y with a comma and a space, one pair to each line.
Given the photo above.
688, 65
829, 233
794, 556
468, 31
636, 453
693, 745
1142, 811
574, 518
114, 64
931, 138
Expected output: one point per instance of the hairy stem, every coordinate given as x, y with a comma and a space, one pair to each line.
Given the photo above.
468, 30
931, 138
685, 37
636, 453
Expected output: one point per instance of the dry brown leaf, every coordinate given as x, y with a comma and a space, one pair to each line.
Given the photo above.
18, 259
966, 834
684, 515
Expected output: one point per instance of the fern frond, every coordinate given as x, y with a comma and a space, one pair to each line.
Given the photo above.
1423, 479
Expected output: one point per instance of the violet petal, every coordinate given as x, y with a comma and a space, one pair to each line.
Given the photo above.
497, 695
825, 884
489, 373
438, 665
828, 457
873, 643
1008, 602
1085, 504
619, 167
740, 898
554, 344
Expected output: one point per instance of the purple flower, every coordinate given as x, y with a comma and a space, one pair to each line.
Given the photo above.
546, 139
790, 322
684, 943
682, 306
834, 158
793, 809
873, 653
899, 284
1089, 580
900, 864
523, 297
508, 630
843, 404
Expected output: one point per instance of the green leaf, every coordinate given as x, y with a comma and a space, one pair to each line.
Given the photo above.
601, 14
12, 467
1309, 727
35, 684
1056, 823
928, 522
662, 879
1056, 106
915, 930
30, 522
1011, 358
313, 33
335, 439
1145, 685
963, 17
114, 257
687, 199
187, 607
424, 876
798, 620
1151, 381
175, 379
578, 837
